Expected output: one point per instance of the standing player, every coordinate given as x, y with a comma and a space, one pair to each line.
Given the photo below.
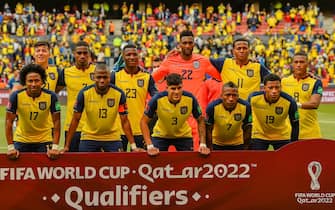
75, 78
228, 121
173, 108
271, 109
137, 85
192, 68
307, 92
41, 57
247, 75
33, 105
102, 103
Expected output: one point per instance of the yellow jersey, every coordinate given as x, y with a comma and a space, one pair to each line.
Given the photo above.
302, 90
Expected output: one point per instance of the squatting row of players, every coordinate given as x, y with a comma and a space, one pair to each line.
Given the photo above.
110, 111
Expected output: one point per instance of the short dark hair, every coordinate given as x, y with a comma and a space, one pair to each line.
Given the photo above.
81, 44
42, 43
101, 66
173, 79
301, 53
230, 84
186, 33
129, 46
241, 40
271, 77
32, 68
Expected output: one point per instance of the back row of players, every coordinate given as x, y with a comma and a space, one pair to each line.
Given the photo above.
100, 103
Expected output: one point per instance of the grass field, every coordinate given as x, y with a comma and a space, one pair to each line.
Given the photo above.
326, 120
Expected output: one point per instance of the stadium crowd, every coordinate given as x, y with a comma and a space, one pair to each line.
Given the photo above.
281, 32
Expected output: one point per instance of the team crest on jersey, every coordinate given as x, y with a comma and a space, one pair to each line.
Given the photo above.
196, 64
42, 105
250, 72
110, 102
305, 87
238, 117
183, 110
92, 76
279, 110
52, 75
140, 82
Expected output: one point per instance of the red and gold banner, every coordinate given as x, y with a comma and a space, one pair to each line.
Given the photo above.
299, 176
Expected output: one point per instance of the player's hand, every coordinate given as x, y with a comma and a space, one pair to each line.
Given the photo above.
138, 150
153, 151
204, 150
13, 154
66, 149
53, 154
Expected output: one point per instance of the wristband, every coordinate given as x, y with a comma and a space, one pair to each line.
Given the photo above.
133, 146
299, 105
203, 145
10, 147
150, 146
54, 147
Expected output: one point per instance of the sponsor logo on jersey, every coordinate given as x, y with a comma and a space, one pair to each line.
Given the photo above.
140, 82
196, 64
183, 110
250, 72
305, 87
42, 105
110, 102
52, 76
279, 110
238, 117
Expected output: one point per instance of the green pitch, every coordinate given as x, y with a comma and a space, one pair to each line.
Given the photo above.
326, 119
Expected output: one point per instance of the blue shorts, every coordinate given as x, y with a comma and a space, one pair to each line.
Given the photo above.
74, 146
181, 144
100, 146
138, 140
32, 147
259, 144
228, 147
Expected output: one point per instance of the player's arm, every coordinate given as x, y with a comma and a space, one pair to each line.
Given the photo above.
246, 127
162, 71
112, 78
123, 113
217, 63
129, 133
76, 116
209, 125
264, 71
152, 89
146, 118
12, 153
213, 69
294, 120
53, 153
61, 81
315, 98
72, 129
197, 114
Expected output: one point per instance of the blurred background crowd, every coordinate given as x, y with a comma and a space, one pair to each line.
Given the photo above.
275, 33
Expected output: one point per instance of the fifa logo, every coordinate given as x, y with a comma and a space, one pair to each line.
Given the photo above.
314, 169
